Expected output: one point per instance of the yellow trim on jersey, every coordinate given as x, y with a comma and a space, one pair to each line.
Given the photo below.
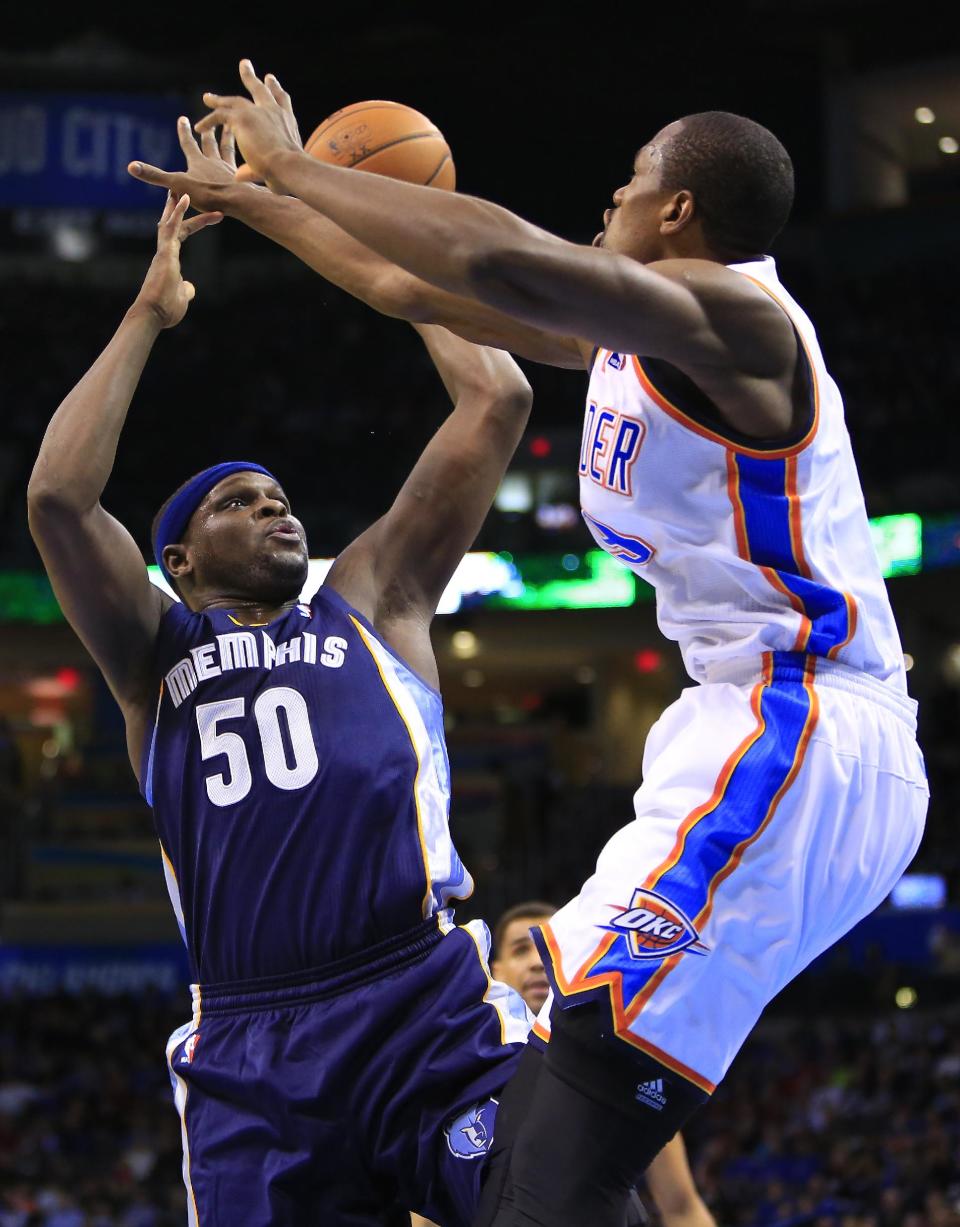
416, 779
486, 971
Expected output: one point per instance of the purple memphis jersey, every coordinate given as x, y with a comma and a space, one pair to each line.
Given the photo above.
300, 788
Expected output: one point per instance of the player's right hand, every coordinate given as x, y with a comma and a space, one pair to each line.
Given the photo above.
211, 168
164, 293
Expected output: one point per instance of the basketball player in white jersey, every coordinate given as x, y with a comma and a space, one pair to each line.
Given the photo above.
784, 794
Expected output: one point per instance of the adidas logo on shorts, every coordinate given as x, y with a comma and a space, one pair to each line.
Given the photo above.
651, 1093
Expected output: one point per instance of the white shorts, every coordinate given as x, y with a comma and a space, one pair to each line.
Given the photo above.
775, 812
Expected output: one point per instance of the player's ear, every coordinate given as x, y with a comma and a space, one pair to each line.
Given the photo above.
176, 559
677, 212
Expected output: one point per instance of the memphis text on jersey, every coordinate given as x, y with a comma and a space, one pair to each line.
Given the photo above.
246, 650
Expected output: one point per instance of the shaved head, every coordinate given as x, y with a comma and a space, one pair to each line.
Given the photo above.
739, 174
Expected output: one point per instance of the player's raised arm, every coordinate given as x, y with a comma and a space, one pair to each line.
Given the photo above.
97, 571
210, 181
397, 570
478, 250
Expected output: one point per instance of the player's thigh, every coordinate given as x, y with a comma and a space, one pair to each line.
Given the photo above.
767, 825
250, 1157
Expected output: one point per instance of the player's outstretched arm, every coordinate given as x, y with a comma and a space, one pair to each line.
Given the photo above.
396, 571
96, 569
210, 181
478, 250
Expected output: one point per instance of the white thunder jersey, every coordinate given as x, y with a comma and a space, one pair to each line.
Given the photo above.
780, 802
750, 550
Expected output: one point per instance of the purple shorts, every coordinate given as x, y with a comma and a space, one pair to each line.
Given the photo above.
327, 1097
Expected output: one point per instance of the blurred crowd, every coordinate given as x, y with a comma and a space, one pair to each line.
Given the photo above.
833, 1123
88, 1133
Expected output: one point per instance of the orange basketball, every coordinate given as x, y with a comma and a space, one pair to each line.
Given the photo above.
387, 138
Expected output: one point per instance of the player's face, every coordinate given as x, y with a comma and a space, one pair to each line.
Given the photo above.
518, 962
243, 539
632, 226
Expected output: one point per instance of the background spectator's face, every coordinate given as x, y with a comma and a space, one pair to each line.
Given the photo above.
518, 962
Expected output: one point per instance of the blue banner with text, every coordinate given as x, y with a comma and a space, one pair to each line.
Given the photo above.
72, 150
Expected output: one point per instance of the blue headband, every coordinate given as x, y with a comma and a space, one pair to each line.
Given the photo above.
174, 521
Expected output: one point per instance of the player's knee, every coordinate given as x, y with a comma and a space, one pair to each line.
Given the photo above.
654, 1101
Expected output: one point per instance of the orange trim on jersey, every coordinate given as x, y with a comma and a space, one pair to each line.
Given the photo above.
723, 780
851, 623
416, 779
622, 1016
777, 453
584, 979
737, 854
805, 629
739, 514
540, 1031
796, 531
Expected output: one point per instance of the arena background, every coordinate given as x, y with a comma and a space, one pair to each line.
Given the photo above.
845, 1106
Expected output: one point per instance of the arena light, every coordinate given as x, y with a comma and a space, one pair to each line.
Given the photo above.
898, 541
515, 494
923, 115
905, 997
464, 645
948, 144
601, 583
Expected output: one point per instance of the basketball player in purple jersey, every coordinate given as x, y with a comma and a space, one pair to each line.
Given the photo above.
347, 1043
784, 794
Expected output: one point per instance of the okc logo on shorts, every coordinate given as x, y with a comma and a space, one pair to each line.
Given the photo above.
470, 1134
654, 927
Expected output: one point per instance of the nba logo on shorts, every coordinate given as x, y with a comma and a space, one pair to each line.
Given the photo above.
189, 1048
470, 1134
655, 928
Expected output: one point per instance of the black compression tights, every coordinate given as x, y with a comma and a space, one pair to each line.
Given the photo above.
572, 1137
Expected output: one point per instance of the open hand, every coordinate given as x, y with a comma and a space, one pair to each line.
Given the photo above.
164, 292
211, 168
263, 127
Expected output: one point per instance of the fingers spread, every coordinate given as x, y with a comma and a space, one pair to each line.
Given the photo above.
279, 93
208, 143
228, 148
186, 138
167, 209
217, 117
151, 174
252, 83
193, 224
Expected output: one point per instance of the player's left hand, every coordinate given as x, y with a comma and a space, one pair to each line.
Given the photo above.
262, 127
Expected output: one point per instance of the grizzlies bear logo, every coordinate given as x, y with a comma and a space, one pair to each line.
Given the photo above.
470, 1134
